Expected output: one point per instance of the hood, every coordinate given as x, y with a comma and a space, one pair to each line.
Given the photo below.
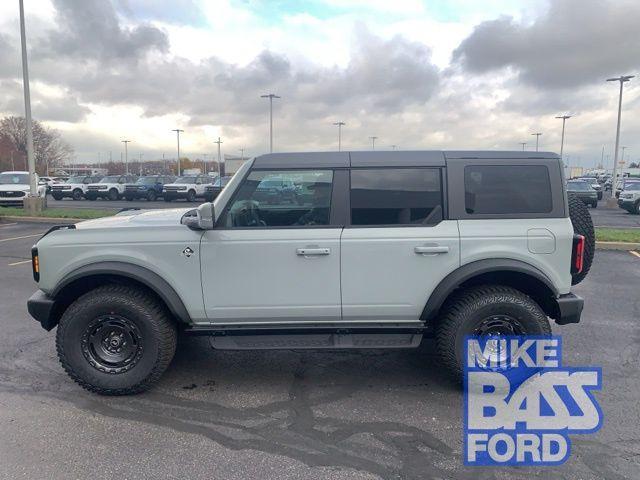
138, 218
14, 187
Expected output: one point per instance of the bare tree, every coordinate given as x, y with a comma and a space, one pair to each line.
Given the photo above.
50, 149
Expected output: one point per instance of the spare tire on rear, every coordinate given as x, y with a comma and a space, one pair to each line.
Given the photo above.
582, 225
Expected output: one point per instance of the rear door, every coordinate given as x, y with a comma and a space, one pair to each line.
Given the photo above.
398, 246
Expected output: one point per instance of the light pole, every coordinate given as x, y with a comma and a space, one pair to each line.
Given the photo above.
204, 163
140, 165
178, 131
373, 142
524, 144
219, 142
33, 188
622, 156
393, 147
340, 125
537, 137
270, 96
564, 119
241, 154
622, 79
126, 156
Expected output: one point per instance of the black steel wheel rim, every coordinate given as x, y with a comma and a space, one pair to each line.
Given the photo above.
112, 344
499, 325
496, 326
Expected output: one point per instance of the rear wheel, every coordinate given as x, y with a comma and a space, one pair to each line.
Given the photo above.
116, 340
485, 310
151, 196
636, 208
582, 225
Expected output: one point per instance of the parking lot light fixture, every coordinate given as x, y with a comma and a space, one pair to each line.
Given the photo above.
178, 131
270, 96
340, 125
537, 135
622, 79
524, 144
373, 142
564, 119
33, 188
219, 142
126, 156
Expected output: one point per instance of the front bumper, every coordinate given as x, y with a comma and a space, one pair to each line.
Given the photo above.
569, 309
42, 308
626, 204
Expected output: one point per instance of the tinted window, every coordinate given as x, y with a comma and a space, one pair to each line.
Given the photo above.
304, 198
403, 196
507, 189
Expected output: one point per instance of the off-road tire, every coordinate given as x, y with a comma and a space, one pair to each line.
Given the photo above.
77, 194
636, 208
582, 225
56, 196
157, 334
465, 311
113, 194
191, 196
151, 196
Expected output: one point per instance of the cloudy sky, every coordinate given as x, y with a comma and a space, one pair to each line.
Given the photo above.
417, 74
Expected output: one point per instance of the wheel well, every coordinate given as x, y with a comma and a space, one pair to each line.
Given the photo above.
75, 289
535, 288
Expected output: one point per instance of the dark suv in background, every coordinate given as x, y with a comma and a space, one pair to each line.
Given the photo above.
213, 190
149, 187
584, 191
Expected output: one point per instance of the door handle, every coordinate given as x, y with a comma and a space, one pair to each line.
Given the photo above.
431, 250
305, 252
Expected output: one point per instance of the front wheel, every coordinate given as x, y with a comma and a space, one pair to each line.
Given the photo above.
485, 310
151, 196
56, 196
191, 196
77, 194
116, 340
113, 194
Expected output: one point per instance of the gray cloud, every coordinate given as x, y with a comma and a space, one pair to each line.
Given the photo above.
574, 43
90, 29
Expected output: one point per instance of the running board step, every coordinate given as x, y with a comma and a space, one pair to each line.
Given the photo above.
314, 341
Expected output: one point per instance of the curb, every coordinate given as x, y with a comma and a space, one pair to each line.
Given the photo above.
626, 246
58, 221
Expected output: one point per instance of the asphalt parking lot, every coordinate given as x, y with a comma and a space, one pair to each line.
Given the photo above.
290, 414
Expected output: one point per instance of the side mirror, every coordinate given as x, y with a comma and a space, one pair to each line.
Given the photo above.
201, 218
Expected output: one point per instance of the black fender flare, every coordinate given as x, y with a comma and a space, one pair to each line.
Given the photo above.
150, 279
473, 269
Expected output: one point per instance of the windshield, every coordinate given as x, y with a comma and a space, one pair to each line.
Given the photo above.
221, 182
632, 186
76, 180
110, 179
579, 186
14, 179
186, 180
147, 180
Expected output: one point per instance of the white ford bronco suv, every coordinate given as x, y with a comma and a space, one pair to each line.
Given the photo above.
365, 250
75, 187
110, 187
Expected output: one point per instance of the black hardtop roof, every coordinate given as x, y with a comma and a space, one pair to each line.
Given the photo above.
380, 158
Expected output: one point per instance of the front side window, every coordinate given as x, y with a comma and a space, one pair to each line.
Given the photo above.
396, 196
507, 189
277, 198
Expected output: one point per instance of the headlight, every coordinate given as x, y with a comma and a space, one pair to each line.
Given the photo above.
182, 188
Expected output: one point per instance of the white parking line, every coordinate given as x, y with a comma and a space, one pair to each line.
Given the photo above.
18, 238
19, 263
7, 224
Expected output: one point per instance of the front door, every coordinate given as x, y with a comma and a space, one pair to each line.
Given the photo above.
274, 255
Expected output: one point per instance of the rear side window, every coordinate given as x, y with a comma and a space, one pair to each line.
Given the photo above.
396, 196
507, 189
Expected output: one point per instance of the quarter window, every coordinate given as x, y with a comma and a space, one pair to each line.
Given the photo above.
282, 198
507, 189
402, 196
